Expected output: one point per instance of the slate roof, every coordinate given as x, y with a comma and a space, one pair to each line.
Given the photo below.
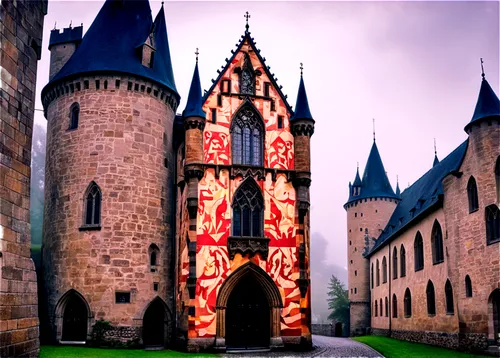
375, 183
302, 110
261, 59
112, 44
194, 102
420, 197
488, 104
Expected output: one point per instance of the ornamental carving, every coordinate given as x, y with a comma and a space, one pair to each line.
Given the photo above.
245, 172
302, 129
194, 122
248, 245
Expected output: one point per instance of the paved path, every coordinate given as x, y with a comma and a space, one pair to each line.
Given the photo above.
324, 347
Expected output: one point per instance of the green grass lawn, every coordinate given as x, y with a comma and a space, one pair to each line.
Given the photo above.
390, 347
84, 352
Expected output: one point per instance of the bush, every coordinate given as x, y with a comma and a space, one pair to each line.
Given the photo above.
99, 329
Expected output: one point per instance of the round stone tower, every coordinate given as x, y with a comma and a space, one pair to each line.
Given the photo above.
108, 202
369, 208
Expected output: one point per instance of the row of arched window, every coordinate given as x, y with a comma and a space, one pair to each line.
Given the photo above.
418, 250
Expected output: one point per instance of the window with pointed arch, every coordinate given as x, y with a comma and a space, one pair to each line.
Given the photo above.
418, 251
378, 273
372, 274
472, 195
431, 299
468, 286
92, 208
437, 243
407, 303
376, 308
394, 306
448, 291
492, 214
395, 263
248, 210
247, 137
381, 309
154, 257
74, 115
386, 307
497, 179
402, 261
384, 270
247, 77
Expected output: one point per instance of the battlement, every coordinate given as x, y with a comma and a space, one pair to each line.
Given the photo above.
68, 35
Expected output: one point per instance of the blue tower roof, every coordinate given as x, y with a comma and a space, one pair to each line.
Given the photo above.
357, 180
398, 191
112, 41
302, 107
488, 104
436, 160
195, 101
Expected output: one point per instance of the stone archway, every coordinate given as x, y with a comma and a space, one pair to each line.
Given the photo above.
494, 316
251, 273
72, 318
155, 324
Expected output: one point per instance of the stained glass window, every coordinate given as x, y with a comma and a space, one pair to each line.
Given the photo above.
247, 137
248, 205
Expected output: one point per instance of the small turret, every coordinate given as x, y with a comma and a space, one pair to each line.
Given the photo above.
398, 191
62, 45
436, 160
355, 188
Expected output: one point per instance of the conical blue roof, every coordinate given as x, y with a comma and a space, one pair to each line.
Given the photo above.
302, 107
488, 104
436, 160
398, 191
112, 44
357, 180
194, 102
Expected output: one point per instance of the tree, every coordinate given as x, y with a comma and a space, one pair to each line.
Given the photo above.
338, 301
37, 183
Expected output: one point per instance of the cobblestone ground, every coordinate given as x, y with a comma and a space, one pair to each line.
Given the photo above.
324, 347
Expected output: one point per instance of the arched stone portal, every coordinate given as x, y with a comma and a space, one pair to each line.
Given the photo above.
494, 316
72, 317
155, 325
249, 300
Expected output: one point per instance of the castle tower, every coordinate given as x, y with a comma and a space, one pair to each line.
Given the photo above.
108, 219
62, 45
369, 208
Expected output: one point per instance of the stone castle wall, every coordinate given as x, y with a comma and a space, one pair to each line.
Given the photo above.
124, 144
21, 38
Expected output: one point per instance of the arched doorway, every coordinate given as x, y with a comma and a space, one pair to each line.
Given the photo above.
494, 303
248, 316
153, 325
75, 319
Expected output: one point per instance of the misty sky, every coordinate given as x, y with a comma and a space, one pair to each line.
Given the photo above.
413, 66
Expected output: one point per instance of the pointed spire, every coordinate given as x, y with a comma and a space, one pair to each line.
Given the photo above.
357, 179
375, 181
195, 102
398, 191
302, 110
488, 104
436, 160
162, 56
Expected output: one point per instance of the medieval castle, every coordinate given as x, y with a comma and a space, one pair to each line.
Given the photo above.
424, 264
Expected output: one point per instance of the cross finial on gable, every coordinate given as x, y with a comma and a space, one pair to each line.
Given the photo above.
247, 16
197, 53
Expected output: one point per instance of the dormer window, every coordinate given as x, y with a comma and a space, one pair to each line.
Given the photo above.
148, 52
247, 77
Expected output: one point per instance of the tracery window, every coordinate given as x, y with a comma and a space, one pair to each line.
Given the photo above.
247, 77
431, 298
492, 224
407, 303
395, 263
448, 291
472, 195
437, 243
247, 133
418, 251
74, 115
248, 210
402, 252
93, 205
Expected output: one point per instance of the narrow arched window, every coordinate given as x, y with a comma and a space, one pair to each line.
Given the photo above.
431, 298
381, 310
247, 77
472, 194
92, 205
154, 253
468, 286
394, 306
378, 274
372, 274
492, 214
248, 210
402, 253
437, 243
384, 270
247, 137
395, 263
418, 252
497, 179
74, 115
386, 307
407, 303
448, 291
376, 308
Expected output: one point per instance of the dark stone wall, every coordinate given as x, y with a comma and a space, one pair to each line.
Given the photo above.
323, 329
21, 25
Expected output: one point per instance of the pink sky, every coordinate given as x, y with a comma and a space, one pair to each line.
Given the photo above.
413, 66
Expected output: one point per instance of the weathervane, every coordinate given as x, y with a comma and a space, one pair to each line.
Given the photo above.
482, 68
301, 69
247, 16
197, 53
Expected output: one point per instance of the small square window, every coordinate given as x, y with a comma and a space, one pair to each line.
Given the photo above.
267, 86
122, 297
97, 84
214, 115
155, 286
226, 86
273, 106
280, 122
85, 84
117, 84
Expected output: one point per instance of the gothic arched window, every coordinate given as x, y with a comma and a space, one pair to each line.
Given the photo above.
431, 298
378, 273
74, 115
448, 291
384, 270
247, 136
93, 205
407, 303
248, 210
437, 243
154, 253
418, 248
376, 308
402, 260
394, 306
247, 77
395, 263
468, 286
497, 179
472, 194
381, 309
372, 274
492, 224
386, 307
